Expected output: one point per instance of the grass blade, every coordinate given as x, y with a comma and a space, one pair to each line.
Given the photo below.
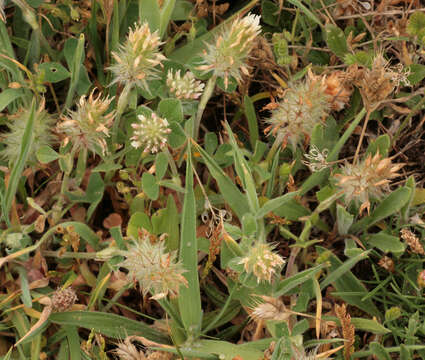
230, 191
111, 325
75, 71
166, 12
19, 166
252, 120
189, 299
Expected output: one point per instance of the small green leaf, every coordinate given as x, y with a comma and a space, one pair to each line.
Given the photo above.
161, 165
269, 13
390, 205
177, 136
419, 197
210, 142
387, 243
381, 145
182, 10
54, 72
344, 220
274, 204
417, 73
336, 40
416, 23
171, 109
138, 221
369, 325
150, 186
359, 57
379, 351
9, 95
46, 154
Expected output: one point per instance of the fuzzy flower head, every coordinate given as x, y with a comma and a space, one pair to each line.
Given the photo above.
337, 86
262, 262
368, 179
304, 105
184, 87
126, 350
88, 126
151, 132
63, 299
270, 309
41, 136
228, 56
156, 270
137, 58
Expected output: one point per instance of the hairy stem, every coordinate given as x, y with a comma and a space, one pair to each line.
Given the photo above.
208, 91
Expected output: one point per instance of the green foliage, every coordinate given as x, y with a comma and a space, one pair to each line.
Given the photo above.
336, 40
416, 27
257, 220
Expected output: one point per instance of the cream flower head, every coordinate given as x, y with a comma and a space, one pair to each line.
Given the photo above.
88, 126
151, 132
137, 59
156, 270
228, 55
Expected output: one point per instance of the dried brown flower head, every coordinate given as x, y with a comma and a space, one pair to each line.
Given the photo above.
63, 299
368, 179
387, 263
338, 89
347, 329
379, 82
413, 242
126, 350
270, 309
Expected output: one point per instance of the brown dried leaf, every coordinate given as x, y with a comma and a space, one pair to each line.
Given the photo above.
43, 318
112, 220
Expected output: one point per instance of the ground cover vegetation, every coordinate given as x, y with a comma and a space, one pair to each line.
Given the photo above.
205, 179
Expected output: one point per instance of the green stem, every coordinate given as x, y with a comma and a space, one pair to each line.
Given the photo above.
121, 106
171, 162
70, 255
275, 147
206, 96
333, 155
57, 208
75, 73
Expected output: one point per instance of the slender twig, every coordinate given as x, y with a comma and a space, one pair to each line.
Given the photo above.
359, 145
